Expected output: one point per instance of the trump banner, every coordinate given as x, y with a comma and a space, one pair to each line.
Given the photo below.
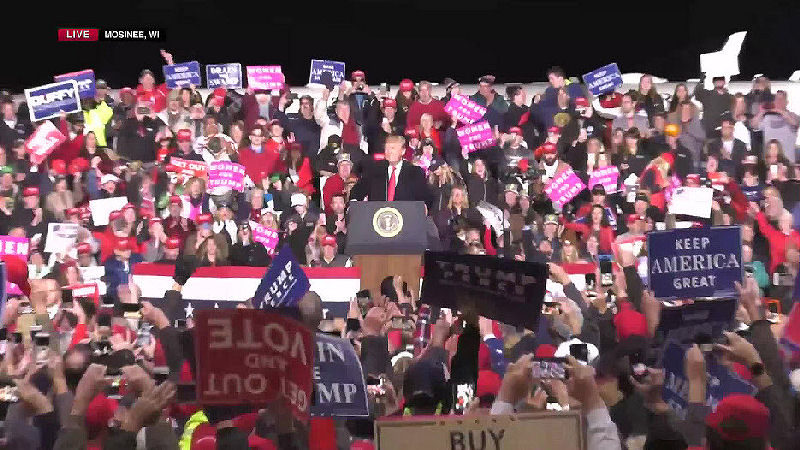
476, 136
265, 77
85, 80
721, 382
50, 100
247, 356
604, 79
226, 174
227, 76
17, 246
608, 177
505, 290
43, 141
320, 66
564, 187
464, 110
182, 74
339, 389
695, 262
284, 283
188, 167
266, 236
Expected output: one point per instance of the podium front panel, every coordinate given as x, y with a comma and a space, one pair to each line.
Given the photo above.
386, 228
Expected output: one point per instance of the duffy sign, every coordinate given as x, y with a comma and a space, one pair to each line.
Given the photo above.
254, 357
695, 262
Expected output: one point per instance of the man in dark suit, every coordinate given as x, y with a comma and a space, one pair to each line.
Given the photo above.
393, 178
730, 152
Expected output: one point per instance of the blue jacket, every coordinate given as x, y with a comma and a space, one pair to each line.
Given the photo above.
116, 275
547, 107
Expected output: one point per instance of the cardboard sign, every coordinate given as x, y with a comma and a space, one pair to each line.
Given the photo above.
51, 99
604, 79
532, 431
253, 357
43, 141
226, 174
464, 110
692, 201
224, 75
267, 236
607, 176
721, 381
189, 167
339, 389
61, 237
505, 290
102, 207
85, 80
182, 74
476, 136
681, 324
265, 77
320, 66
695, 262
284, 283
564, 187
17, 246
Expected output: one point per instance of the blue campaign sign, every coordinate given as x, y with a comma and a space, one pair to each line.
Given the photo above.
695, 262
85, 80
339, 389
224, 75
284, 283
721, 381
682, 324
51, 99
604, 79
320, 66
182, 74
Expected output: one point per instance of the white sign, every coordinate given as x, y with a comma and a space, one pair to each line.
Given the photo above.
61, 237
101, 208
692, 201
724, 62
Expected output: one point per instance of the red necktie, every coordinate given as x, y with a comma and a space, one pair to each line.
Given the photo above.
390, 189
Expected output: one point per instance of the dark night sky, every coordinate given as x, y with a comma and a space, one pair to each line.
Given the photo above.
391, 39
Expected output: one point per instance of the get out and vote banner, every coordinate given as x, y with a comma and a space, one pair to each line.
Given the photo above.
265, 77
339, 389
532, 431
51, 99
505, 290
85, 80
604, 79
224, 75
253, 357
189, 168
182, 74
43, 141
226, 174
564, 188
476, 136
695, 262
464, 109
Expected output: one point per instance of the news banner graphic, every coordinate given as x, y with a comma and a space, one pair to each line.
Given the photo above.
111, 34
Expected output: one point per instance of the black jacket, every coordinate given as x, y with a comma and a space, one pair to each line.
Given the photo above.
253, 255
137, 139
411, 184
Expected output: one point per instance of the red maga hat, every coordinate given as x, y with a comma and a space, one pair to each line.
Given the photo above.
739, 417
357, 74
406, 85
184, 135
389, 103
31, 191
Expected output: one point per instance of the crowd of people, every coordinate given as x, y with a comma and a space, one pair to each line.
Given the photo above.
305, 164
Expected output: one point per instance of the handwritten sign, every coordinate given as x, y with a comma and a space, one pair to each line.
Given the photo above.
564, 187
43, 141
85, 80
226, 174
253, 357
17, 246
476, 136
604, 79
266, 236
607, 176
224, 75
265, 77
463, 109
182, 74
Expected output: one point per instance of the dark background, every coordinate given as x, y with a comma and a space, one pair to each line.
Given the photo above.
391, 39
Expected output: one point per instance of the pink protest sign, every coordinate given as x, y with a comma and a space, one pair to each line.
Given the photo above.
464, 109
607, 176
564, 188
476, 136
226, 174
18, 246
266, 236
265, 77
43, 141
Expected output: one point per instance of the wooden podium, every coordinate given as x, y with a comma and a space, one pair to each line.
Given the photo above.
387, 238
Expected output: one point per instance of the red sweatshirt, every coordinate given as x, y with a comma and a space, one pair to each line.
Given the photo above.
256, 163
606, 236
777, 241
157, 97
69, 149
417, 109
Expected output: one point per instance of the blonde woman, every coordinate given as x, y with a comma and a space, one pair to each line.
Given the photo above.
569, 253
455, 216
